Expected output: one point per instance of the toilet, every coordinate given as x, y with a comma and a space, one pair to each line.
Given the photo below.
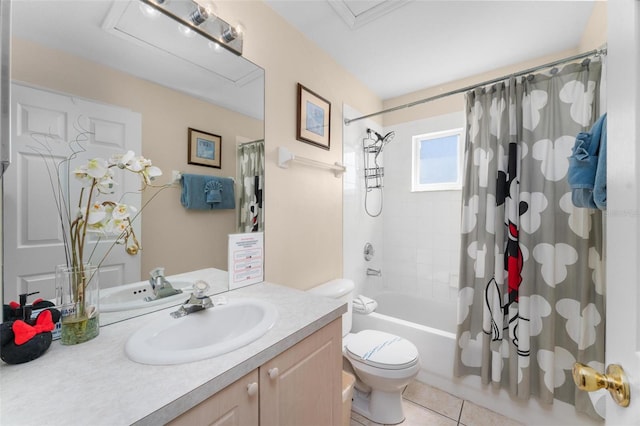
384, 364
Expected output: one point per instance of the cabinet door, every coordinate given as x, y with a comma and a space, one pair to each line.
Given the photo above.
303, 385
235, 405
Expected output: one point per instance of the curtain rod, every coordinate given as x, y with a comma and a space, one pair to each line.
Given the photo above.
596, 52
249, 143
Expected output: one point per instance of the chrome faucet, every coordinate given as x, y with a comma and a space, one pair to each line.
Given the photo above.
160, 286
374, 272
197, 302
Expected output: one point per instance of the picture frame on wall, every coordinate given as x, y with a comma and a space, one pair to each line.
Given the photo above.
314, 118
204, 149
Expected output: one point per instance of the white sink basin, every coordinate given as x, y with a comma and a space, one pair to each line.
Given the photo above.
200, 335
131, 296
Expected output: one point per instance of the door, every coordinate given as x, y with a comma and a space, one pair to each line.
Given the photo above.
32, 236
623, 203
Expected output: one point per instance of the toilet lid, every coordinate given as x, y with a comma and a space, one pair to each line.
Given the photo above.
382, 350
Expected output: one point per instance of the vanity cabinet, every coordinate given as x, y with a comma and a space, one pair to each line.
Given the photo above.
303, 385
300, 386
235, 405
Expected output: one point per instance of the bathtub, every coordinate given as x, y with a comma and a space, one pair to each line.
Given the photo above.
431, 326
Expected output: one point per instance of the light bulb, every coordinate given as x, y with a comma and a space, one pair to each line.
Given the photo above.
209, 8
229, 34
232, 32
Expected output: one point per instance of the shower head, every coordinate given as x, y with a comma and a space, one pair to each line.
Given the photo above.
383, 139
387, 138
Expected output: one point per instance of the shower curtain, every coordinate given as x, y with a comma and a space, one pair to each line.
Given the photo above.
251, 178
531, 298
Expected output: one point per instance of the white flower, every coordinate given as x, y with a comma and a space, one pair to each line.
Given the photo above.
97, 168
81, 174
123, 159
97, 214
150, 173
116, 226
106, 184
123, 211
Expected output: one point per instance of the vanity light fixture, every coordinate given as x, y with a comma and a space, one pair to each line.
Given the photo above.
199, 16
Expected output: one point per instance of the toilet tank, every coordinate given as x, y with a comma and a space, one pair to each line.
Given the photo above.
340, 289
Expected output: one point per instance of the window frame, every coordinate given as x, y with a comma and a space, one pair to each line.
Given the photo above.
416, 140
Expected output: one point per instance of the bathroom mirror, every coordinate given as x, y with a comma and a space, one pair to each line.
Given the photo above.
118, 55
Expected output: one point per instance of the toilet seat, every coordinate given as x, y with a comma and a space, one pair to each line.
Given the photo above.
381, 350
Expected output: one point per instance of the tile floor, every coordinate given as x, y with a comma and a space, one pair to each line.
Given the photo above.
426, 405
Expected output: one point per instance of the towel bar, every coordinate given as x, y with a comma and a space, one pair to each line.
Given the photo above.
285, 156
177, 175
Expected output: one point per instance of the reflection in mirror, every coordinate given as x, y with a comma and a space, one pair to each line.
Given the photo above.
133, 82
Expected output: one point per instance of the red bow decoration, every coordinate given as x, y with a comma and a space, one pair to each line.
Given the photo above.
24, 332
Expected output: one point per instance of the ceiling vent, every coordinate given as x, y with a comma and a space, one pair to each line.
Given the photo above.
356, 13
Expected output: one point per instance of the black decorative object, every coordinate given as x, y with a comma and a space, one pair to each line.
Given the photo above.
22, 338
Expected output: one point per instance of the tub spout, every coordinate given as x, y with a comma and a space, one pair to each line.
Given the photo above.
374, 272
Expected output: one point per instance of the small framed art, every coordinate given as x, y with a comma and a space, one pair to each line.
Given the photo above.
204, 149
314, 118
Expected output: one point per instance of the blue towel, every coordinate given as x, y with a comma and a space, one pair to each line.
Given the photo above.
213, 189
600, 185
584, 163
195, 196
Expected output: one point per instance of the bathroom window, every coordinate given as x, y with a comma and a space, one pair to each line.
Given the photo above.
437, 161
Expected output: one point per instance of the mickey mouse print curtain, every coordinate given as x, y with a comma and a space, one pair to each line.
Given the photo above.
531, 298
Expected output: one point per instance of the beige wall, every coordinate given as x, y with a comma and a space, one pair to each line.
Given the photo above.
594, 37
303, 229
173, 237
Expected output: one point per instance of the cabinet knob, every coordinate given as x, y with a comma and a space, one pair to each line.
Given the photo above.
273, 372
252, 389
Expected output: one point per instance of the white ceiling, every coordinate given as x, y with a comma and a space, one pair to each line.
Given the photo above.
399, 46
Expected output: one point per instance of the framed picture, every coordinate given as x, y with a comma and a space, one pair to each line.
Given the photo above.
204, 149
314, 118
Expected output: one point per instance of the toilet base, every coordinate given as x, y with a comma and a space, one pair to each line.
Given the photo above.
378, 406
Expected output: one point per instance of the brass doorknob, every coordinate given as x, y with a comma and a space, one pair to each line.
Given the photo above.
615, 381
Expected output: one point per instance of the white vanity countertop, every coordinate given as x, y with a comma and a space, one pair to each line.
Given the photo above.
95, 383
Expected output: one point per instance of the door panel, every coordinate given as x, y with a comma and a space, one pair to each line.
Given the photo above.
623, 202
46, 122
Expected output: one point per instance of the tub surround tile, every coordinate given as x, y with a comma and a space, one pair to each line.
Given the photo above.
433, 399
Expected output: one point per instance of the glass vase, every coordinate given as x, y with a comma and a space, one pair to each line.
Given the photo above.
78, 293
